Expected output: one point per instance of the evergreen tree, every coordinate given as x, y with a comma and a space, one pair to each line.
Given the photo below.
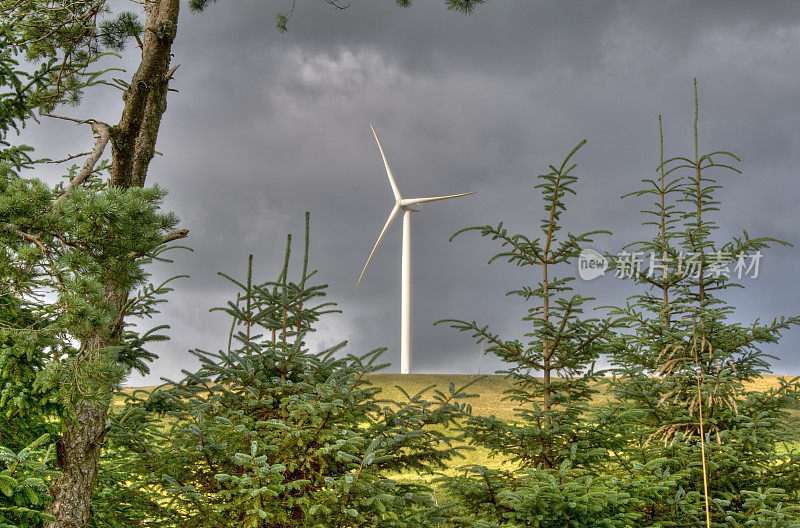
557, 451
268, 433
74, 252
25, 451
721, 452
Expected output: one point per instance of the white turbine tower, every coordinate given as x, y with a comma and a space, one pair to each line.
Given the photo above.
402, 204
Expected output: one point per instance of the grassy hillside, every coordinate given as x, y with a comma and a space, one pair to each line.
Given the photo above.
489, 400
490, 389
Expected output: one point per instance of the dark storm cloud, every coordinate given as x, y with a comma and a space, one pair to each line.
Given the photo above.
267, 126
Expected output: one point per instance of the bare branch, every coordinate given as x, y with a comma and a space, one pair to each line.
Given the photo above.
73, 119
70, 157
118, 87
171, 72
175, 235
103, 133
31, 238
35, 239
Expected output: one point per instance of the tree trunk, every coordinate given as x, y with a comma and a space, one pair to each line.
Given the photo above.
77, 456
133, 142
133, 139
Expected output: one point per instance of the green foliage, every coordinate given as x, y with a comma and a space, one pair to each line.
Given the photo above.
535, 497
115, 33
282, 18
59, 259
681, 442
682, 365
269, 433
78, 247
19, 98
557, 451
25, 452
63, 251
24, 402
74, 247
560, 343
462, 6
23, 484
62, 41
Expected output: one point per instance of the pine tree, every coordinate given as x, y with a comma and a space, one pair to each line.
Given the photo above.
556, 449
25, 451
75, 251
268, 433
720, 452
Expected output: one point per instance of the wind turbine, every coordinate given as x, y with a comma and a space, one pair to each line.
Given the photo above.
402, 204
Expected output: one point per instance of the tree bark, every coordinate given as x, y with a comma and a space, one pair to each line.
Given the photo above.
133, 139
77, 457
133, 142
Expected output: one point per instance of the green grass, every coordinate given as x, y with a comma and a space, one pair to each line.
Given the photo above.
490, 390
489, 400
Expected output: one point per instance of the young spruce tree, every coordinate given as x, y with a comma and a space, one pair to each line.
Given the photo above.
268, 433
702, 448
556, 450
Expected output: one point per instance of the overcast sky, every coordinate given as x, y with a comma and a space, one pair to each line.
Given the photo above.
267, 126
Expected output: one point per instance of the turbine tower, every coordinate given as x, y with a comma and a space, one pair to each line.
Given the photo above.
402, 204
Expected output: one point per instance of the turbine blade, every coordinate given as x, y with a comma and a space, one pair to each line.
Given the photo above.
386, 163
412, 201
394, 212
